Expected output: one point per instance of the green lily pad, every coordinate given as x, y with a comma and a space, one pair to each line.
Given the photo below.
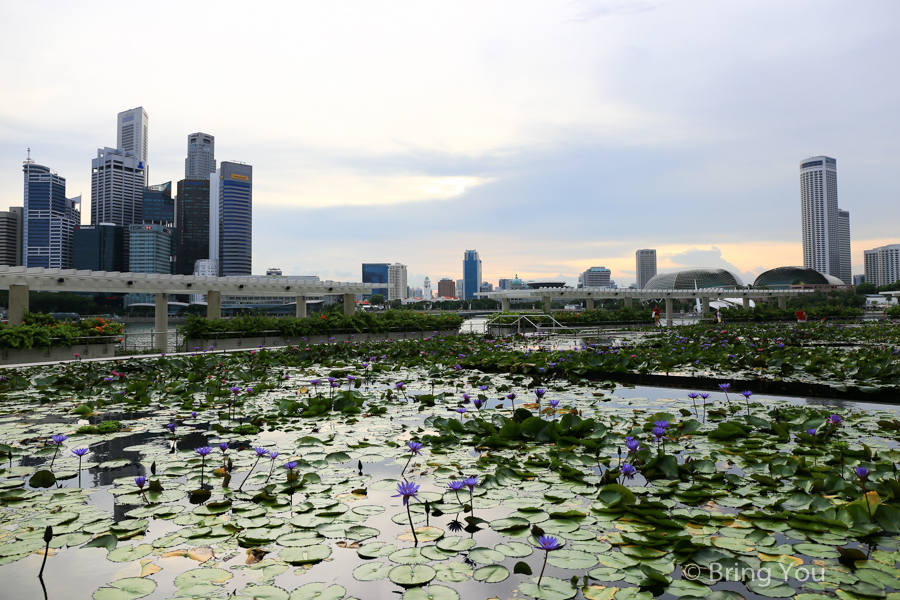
515, 549
452, 572
376, 549
770, 588
126, 589
409, 556
491, 574
571, 559
455, 543
264, 592
201, 576
305, 554
129, 553
411, 575
551, 588
371, 571
485, 556
318, 591
42, 479
432, 592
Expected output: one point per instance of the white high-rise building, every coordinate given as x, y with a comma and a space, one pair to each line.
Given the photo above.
819, 216
596, 277
201, 156
426, 289
132, 133
396, 282
844, 236
883, 265
645, 266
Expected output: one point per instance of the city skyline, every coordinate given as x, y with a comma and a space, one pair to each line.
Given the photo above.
548, 118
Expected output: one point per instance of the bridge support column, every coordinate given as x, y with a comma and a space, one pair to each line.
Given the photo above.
349, 304
668, 312
704, 306
782, 301
161, 328
629, 302
504, 304
301, 307
746, 303
214, 305
590, 304
18, 303
548, 301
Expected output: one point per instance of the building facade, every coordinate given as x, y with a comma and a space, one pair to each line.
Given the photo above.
201, 156
49, 219
645, 266
235, 219
846, 257
117, 187
99, 247
426, 289
471, 274
192, 216
882, 265
376, 273
821, 227
596, 277
446, 288
133, 133
396, 282
859, 279
151, 249
11, 224
158, 205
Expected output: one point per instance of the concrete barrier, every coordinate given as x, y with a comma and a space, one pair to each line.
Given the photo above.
15, 356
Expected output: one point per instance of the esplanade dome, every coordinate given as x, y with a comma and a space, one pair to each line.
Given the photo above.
784, 277
694, 279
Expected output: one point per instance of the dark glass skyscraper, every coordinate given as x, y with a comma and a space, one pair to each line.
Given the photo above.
471, 273
158, 204
49, 219
99, 247
192, 216
376, 273
235, 219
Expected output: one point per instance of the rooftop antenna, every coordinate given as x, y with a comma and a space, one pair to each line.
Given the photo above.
28, 161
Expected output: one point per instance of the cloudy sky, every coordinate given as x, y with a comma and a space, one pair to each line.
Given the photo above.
550, 136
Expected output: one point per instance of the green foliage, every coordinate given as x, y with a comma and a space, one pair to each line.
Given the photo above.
103, 427
866, 288
40, 330
766, 312
376, 299
294, 328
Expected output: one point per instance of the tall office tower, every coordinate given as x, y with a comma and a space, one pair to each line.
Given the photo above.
471, 274
645, 266
11, 236
376, 273
461, 288
426, 289
192, 233
844, 236
235, 219
487, 286
132, 133
214, 217
447, 288
819, 215
883, 265
49, 218
151, 249
504, 284
396, 282
596, 277
117, 187
201, 156
157, 205
99, 247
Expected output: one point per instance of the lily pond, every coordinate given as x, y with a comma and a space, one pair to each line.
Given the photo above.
456, 467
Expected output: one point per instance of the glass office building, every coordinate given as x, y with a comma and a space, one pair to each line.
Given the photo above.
192, 216
49, 219
158, 204
471, 274
376, 273
151, 249
99, 247
235, 219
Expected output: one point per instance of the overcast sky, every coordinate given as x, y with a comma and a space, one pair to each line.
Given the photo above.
549, 136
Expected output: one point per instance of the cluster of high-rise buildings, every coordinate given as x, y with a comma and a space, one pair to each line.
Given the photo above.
201, 225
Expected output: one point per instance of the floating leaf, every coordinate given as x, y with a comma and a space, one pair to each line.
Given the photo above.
411, 575
485, 556
318, 591
491, 574
371, 571
126, 589
265, 592
452, 572
305, 554
200, 576
129, 553
42, 479
551, 588
432, 592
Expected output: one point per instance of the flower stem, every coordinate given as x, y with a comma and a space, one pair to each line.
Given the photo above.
541, 576
54, 457
411, 526
249, 474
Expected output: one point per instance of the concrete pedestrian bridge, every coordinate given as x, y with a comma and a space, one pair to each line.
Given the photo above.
547, 295
20, 280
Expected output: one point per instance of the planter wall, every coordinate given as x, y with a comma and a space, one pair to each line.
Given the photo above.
232, 343
15, 356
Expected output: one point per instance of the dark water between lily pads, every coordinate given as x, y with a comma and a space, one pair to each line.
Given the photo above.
345, 526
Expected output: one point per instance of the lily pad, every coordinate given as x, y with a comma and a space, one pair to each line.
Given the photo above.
491, 574
318, 591
305, 554
126, 589
551, 588
411, 575
432, 592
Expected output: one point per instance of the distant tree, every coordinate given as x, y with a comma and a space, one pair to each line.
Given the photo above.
396, 303
891, 287
376, 299
866, 288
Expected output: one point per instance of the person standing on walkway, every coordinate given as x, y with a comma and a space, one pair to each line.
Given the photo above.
656, 312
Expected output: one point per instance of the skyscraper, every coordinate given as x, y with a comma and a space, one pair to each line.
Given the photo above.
117, 187
396, 282
596, 277
883, 265
645, 266
201, 156
235, 219
819, 215
11, 236
376, 273
132, 133
192, 214
471, 274
99, 247
447, 288
846, 257
157, 204
151, 249
49, 219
